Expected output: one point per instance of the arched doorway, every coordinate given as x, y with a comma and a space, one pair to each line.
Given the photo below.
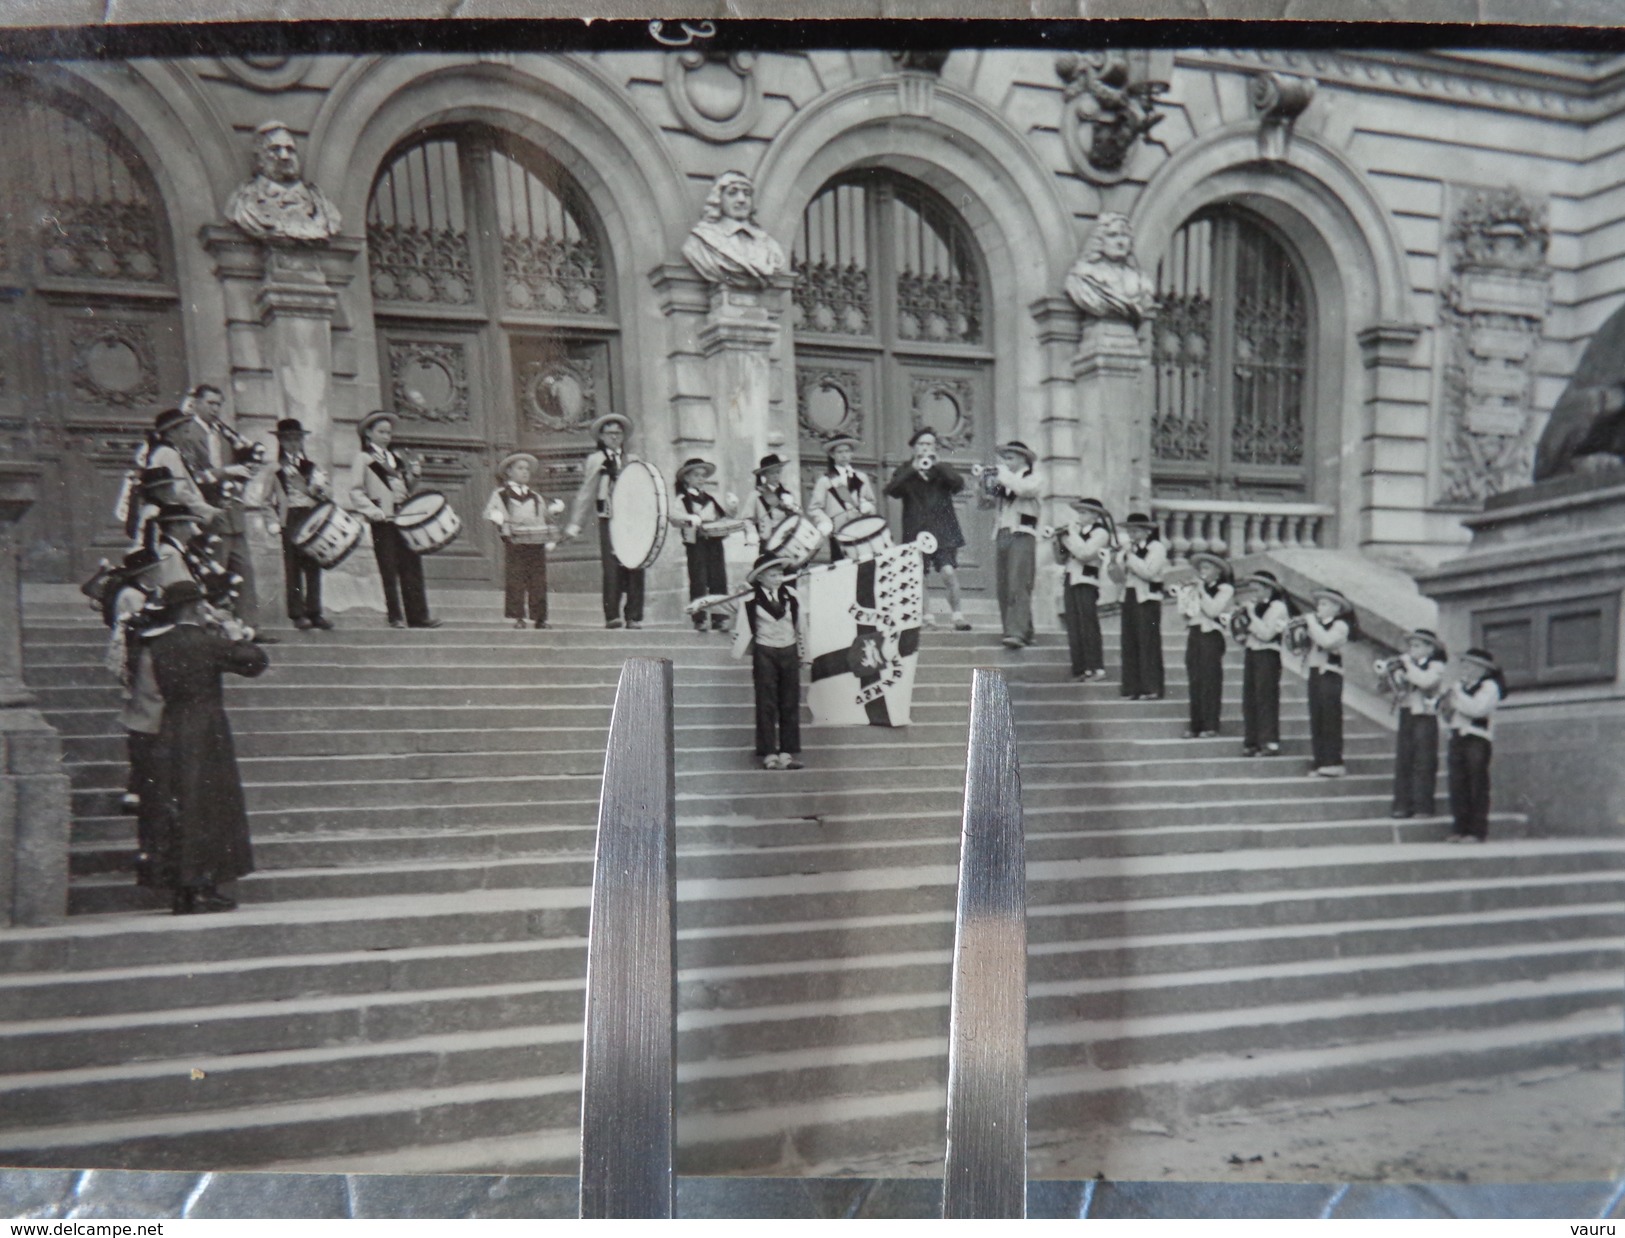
1233, 345
493, 295
91, 342
892, 333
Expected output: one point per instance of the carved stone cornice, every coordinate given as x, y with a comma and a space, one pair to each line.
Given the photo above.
1492, 84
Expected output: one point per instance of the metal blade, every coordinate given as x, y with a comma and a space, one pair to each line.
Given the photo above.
629, 1065
986, 1173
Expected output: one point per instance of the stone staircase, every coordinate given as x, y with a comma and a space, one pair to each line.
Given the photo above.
402, 987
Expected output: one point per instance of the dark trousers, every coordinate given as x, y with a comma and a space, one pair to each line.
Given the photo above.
1142, 648
1017, 562
301, 575
1261, 698
1326, 717
143, 750
707, 576
524, 580
234, 551
1416, 763
1469, 766
1204, 663
618, 581
401, 570
777, 676
1082, 619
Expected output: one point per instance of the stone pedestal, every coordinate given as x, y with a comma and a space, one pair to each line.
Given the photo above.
34, 792
283, 304
739, 341
1114, 429
1541, 585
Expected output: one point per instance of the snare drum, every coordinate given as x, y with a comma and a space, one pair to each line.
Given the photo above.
795, 539
637, 515
328, 535
427, 522
864, 538
532, 534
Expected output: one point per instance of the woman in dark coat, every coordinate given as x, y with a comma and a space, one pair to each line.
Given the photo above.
199, 825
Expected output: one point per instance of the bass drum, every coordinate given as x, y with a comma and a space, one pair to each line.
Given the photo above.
428, 522
864, 538
637, 515
328, 535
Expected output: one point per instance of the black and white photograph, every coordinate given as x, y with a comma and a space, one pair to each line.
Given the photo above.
1256, 412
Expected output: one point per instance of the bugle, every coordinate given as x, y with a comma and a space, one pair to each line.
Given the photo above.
1240, 624
1390, 673
1296, 636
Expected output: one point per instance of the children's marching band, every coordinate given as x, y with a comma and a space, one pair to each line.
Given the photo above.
187, 572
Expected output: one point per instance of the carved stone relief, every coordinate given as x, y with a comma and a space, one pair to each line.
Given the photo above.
1278, 99
716, 94
1492, 313
1109, 105
559, 395
429, 380
945, 406
419, 265
829, 402
114, 364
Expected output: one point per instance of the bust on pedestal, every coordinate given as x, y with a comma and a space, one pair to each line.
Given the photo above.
1115, 298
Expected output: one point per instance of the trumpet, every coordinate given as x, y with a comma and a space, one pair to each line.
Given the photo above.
925, 461
1296, 636
1190, 604
1390, 673
1240, 624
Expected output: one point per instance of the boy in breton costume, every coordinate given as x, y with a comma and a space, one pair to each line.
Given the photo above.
707, 565
1204, 642
1081, 545
521, 516
1267, 618
1144, 563
1330, 628
771, 630
771, 501
1416, 753
1471, 706
1016, 542
290, 488
841, 492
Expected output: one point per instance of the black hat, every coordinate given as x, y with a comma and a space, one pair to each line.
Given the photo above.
139, 559
290, 425
762, 564
169, 419
1483, 657
921, 433
694, 462
1226, 572
1429, 636
1139, 520
175, 511
372, 419
180, 593
1020, 448
154, 479
768, 463
1089, 505
1264, 578
1338, 598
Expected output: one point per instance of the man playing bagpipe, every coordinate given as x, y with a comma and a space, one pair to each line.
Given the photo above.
222, 463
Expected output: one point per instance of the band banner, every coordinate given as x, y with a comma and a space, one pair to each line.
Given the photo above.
863, 638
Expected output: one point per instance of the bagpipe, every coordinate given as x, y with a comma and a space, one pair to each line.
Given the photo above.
246, 456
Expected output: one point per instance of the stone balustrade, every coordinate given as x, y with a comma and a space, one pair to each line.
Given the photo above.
1217, 526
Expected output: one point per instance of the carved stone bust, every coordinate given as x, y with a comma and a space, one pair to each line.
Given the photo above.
1106, 281
276, 204
727, 246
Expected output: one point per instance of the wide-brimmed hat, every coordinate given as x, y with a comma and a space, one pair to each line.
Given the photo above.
840, 440
596, 429
1342, 601
1262, 577
762, 564
768, 463
1429, 636
1483, 657
696, 465
513, 458
1226, 572
290, 425
179, 593
175, 511
372, 419
154, 479
169, 419
139, 559
1021, 449
1088, 505
1139, 520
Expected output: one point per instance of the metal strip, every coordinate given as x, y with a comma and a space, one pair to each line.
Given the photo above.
986, 1172
629, 1060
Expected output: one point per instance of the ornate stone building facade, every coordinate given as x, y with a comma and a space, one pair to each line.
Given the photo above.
1371, 271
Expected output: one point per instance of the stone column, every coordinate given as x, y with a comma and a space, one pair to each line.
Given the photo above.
1114, 423
1393, 464
283, 309
739, 340
35, 816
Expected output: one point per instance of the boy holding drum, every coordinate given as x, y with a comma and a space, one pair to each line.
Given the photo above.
520, 514
292, 488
